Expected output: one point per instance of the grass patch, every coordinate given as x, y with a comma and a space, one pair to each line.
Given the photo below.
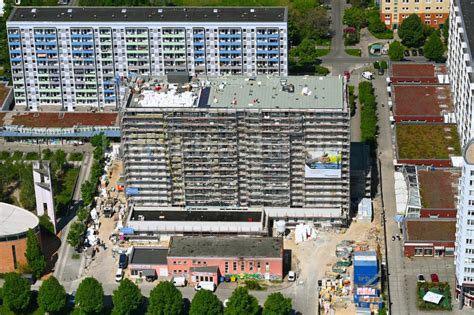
4, 155
254, 285
323, 42
321, 71
17, 155
64, 188
439, 288
354, 52
320, 52
76, 256
388, 34
32, 156
75, 156
427, 141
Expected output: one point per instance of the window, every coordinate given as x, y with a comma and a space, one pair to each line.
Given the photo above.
242, 266
418, 251
468, 240
427, 16
387, 16
267, 266
15, 263
428, 252
226, 267
234, 266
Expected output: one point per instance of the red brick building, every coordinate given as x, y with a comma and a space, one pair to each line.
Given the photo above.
209, 258
419, 73
14, 223
429, 237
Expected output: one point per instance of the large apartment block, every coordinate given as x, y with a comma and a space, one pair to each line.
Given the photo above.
279, 143
465, 231
432, 12
460, 66
73, 58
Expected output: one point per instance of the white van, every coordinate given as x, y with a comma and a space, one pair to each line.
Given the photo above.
179, 281
119, 275
205, 285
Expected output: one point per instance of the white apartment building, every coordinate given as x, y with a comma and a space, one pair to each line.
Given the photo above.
460, 66
465, 230
73, 58
280, 144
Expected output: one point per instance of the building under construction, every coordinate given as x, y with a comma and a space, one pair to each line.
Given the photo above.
279, 144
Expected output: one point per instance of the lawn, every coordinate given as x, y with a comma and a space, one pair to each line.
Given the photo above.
425, 141
322, 52
4, 155
439, 288
354, 52
75, 156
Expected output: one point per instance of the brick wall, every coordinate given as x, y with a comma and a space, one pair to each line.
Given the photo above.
6, 254
409, 250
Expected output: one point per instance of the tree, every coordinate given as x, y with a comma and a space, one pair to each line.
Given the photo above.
76, 231
16, 292
90, 296
241, 302
277, 304
82, 214
34, 255
206, 302
395, 51
51, 295
434, 48
87, 191
165, 299
58, 160
355, 17
318, 21
383, 64
411, 31
46, 224
127, 298
376, 65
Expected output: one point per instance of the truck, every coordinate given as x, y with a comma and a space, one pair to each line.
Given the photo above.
205, 285
179, 281
108, 209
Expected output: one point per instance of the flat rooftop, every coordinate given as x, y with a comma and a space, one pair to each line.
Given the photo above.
427, 141
261, 92
467, 11
421, 100
149, 256
438, 188
210, 216
416, 70
15, 220
430, 230
59, 119
212, 246
149, 14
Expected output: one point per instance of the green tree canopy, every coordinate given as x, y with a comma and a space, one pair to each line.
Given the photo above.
395, 51
434, 48
206, 302
16, 293
241, 302
165, 299
34, 255
127, 298
277, 304
411, 31
58, 160
355, 17
51, 295
87, 191
76, 231
90, 296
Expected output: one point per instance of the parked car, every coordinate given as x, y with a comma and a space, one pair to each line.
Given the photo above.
367, 75
291, 276
434, 277
71, 299
119, 275
205, 285
380, 71
414, 52
421, 279
179, 281
123, 261
406, 53
420, 51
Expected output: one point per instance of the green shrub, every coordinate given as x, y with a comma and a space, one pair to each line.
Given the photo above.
321, 71
254, 285
352, 98
46, 224
47, 154
354, 52
4, 155
32, 156
368, 119
17, 155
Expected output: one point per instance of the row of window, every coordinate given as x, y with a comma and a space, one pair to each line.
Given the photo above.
416, 1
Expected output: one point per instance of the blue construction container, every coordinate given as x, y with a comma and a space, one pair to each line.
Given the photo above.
366, 268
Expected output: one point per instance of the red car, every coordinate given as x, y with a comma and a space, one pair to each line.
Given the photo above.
434, 277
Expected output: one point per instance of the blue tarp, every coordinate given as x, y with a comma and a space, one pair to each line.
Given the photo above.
127, 230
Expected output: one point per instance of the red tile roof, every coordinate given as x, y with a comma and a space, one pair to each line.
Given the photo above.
63, 120
421, 100
413, 70
438, 189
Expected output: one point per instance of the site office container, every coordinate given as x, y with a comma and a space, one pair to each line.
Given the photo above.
365, 268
